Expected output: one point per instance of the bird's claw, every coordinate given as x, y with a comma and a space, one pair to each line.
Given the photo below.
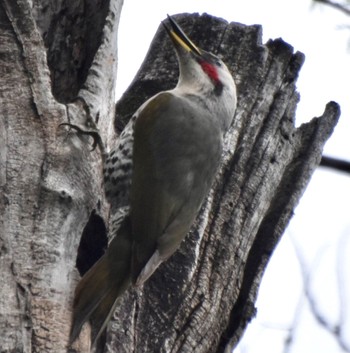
90, 132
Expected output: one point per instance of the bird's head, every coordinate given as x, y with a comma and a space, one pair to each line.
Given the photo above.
197, 66
201, 72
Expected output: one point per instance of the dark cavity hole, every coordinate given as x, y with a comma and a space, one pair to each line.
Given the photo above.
93, 243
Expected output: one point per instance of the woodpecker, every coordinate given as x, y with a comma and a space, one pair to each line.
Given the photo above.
172, 149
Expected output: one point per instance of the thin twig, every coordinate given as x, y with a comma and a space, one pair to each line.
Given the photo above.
340, 7
335, 329
341, 260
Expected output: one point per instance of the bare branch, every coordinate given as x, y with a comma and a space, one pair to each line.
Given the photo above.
334, 163
341, 256
294, 325
341, 7
336, 329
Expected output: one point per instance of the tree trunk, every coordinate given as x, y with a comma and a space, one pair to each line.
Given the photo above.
58, 63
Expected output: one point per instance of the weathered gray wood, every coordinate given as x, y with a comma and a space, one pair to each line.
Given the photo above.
50, 181
201, 299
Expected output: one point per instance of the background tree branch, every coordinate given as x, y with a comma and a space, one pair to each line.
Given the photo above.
335, 163
337, 327
343, 7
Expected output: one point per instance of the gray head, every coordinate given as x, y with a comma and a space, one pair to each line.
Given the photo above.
204, 74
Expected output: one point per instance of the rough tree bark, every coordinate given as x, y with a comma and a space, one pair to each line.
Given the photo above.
202, 299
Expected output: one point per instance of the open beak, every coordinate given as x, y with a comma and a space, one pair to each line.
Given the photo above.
179, 37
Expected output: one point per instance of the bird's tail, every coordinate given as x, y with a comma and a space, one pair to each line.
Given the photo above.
97, 293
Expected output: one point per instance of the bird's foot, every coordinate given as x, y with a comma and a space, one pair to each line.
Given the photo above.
93, 132
89, 128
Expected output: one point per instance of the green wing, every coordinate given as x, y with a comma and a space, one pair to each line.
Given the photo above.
176, 153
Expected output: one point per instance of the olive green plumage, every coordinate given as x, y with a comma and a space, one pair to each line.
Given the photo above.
172, 175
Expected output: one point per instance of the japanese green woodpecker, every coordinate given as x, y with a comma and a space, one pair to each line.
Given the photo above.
171, 151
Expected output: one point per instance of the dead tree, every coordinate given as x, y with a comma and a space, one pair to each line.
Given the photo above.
58, 64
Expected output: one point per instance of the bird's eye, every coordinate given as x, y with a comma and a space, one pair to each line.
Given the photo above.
218, 63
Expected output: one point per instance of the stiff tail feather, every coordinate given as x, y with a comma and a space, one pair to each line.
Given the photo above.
97, 293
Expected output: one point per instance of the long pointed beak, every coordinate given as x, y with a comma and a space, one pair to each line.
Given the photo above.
179, 37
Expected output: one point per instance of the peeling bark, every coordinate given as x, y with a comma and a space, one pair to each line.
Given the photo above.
50, 183
202, 298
